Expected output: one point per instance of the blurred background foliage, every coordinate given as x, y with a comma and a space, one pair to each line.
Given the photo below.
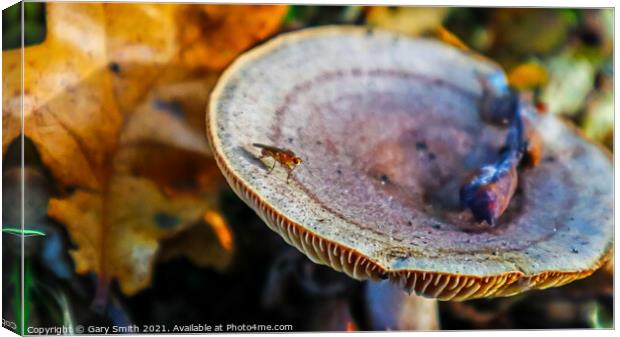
561, 58
34, 25
574, 46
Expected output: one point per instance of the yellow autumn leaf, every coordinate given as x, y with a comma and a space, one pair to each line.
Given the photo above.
149, 199
528, 76
176, 40
139, 58
217, 34
192, 97
162, 181
69, 111
172, 114
111, 114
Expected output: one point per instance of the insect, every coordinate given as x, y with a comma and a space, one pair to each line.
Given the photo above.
285, 157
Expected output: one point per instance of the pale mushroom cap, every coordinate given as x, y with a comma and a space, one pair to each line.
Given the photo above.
388, 127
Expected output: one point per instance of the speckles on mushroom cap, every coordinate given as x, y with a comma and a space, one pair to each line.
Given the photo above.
388, 127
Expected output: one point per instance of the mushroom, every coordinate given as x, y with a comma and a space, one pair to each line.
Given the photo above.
388, 128
388, 308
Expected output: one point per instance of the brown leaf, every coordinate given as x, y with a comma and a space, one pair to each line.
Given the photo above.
180, 107
217, 34
208, 243
149, 199
140, 176
161, 182
141, 58
69, 111
174, 41
191, 96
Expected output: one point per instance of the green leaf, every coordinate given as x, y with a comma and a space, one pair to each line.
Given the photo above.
24, 232
598, 318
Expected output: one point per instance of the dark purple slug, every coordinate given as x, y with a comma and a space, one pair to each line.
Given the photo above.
488, 191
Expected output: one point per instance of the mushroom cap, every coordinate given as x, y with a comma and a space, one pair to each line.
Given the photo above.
388, 127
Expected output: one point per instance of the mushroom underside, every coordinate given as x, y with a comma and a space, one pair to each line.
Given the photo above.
389, 128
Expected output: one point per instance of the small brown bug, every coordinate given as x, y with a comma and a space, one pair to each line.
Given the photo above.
286, 158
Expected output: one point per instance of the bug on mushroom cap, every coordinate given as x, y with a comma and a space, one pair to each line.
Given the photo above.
286, 158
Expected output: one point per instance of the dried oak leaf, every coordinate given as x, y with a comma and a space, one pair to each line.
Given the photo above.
140, 176
179, 109
155, 192
207, 244
69, 111
190, 98
174, 41
217, 34
145, 59
141, 58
